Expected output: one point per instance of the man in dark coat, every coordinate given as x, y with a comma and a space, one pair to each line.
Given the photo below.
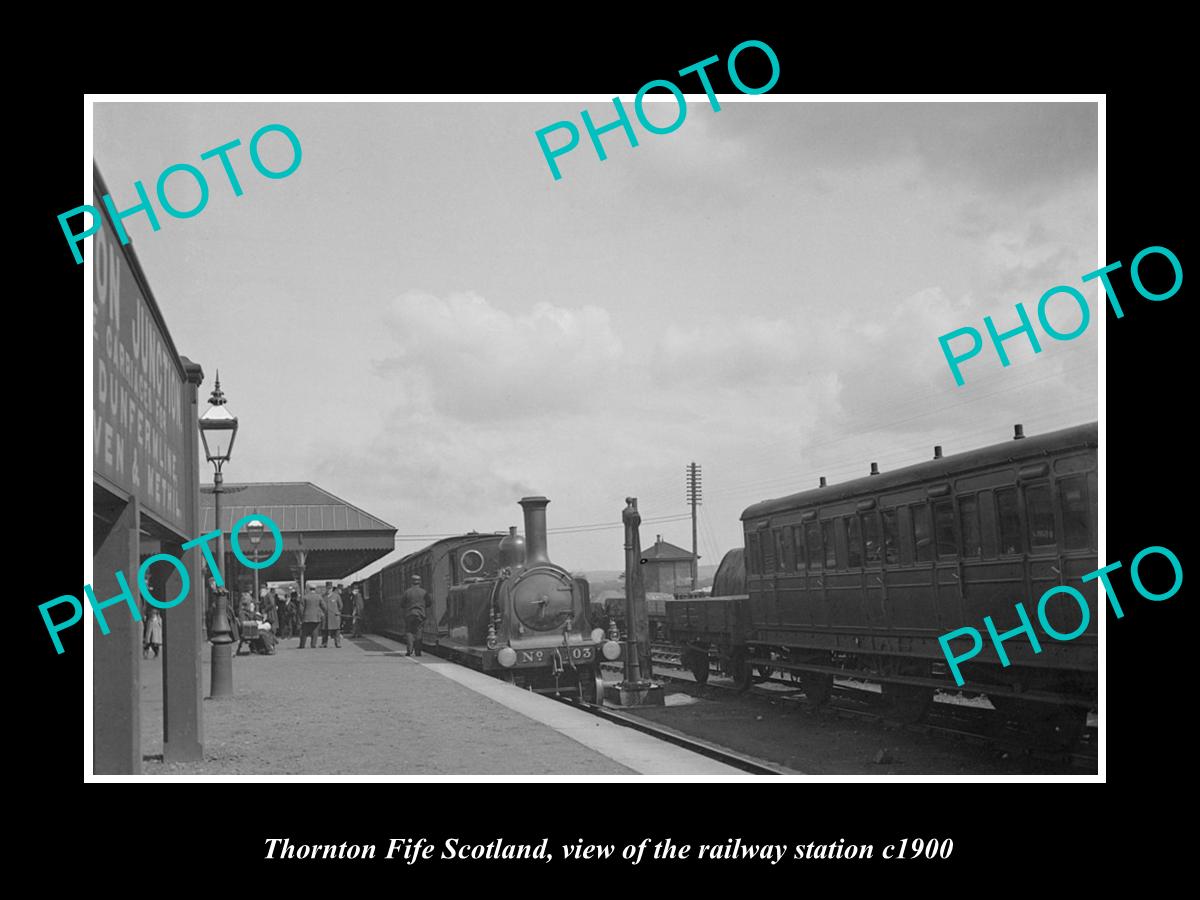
333, 617
276, 601
358, 613
415, 602
313, 611
297, 610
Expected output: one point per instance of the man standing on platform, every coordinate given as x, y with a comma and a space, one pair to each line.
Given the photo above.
297, 607
358, 613
313, 611
415, 601
333, 617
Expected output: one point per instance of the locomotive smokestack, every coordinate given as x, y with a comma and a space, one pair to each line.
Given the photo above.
937, 451
535, 531
1018, 432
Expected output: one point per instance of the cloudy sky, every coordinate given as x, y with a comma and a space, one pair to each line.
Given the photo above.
423, 321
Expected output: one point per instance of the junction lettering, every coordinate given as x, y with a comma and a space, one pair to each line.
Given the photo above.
138, 431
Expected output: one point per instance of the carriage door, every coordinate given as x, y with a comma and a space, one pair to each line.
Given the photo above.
948, 573
874, 608
769, 544
1045, 564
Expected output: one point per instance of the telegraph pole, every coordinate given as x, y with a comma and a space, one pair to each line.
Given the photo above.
693, 497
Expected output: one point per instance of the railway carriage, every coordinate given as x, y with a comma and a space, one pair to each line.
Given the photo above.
863, 577
442, 565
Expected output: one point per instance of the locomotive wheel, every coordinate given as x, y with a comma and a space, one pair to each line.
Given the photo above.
907, 703
697, 663
817, 687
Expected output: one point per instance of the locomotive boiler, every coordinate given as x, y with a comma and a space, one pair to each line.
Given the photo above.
528, 620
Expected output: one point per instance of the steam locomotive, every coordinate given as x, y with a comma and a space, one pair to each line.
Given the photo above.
501, 606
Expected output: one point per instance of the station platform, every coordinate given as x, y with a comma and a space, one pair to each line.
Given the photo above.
367, 709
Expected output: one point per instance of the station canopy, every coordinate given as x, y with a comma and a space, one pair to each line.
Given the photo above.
324, 537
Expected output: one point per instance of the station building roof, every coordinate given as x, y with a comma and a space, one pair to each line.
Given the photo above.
336, 537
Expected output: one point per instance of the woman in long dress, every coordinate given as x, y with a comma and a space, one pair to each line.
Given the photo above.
152, 635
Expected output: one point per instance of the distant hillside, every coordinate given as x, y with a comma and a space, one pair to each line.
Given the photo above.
612, 580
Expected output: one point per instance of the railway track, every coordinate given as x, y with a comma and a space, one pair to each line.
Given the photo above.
696, 745
967, 724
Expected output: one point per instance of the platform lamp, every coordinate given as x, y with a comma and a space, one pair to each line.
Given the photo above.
218, 428
254, 529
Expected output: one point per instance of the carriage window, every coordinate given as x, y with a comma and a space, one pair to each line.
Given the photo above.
830, 546
1009, 521
943, 528
870, 532
753, 560
798, 543
1041, 516
891, 537
766, 548
922, 536
784, 558
968, 517
853, 542
1072, 494
812, 536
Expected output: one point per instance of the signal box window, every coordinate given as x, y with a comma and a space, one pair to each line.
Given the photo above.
1041, 516
812, 536
1009, 521
943, 528
1072, 494
798, 542
891, 536
870, 533
853, 542
968, 517
922, 536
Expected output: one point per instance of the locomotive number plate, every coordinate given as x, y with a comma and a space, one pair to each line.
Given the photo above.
545, 654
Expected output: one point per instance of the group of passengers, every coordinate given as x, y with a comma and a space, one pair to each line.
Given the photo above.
323, 611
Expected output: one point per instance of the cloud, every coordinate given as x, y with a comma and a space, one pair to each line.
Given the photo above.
476, 361
745, 351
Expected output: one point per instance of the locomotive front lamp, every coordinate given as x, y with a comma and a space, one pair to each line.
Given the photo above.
611, 650
597, 634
